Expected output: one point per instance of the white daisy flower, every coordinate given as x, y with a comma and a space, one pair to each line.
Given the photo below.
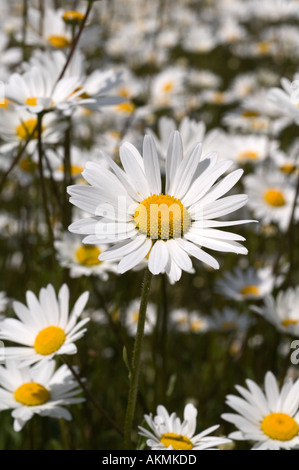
250, 148
45, 327
37, 390
132, 315
189, 322
269, 417
282, 312
246, 284
288, 162
17, 126
168, 86
271, 197
56, 33
191, 132
82, 260
78, 156
137, 218
168, 432
286, 99
38, 89
229, 319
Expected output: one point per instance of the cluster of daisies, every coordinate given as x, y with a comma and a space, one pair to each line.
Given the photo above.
127, 145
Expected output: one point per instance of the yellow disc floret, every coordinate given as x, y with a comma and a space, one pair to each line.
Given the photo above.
49, 340
274, 197
31, 101
248, 155
289, 321
31, 394
59, 41
177, 441
26, 128
250, 290
280, 426
88, 255
161, 217
71, 16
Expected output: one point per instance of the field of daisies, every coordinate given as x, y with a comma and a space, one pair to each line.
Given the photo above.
149, 182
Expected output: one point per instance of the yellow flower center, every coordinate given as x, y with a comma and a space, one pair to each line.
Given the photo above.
289, 321
250, 290
280, 426
177, 441
229, 325
248, 113
76, 170
88, 255
263, 47
218, 97
167, 87
162, 217
49, 340
135, 317
126, 107
197, 325
274, 197
71, 16
59, 41
248, 155
32, 101
287, 168
25, 129
124, 92
4, 103
27, 165
32, 394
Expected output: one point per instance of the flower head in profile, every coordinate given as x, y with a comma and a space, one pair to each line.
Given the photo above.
168, 432
282, 311
246, 284
37, 390
269, 417
137, 217
44, 327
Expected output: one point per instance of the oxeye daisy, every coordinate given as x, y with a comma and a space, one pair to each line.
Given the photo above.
271, 197
82, 260
168, 432
188, 322
45, 327
229, 320
132, 315
138, 218
246, 284
270, 417
37, 390
282, 311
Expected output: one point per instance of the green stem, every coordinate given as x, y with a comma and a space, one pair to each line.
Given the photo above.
43, 186
67, 211
76, 40
95, 403
136, 361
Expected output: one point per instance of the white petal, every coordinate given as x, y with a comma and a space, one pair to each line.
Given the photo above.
158, 257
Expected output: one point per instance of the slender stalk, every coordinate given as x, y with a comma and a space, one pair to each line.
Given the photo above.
164, 332
67, 211
96, 404
291, 237
76, 40
42, 183
24, 29
136, 361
